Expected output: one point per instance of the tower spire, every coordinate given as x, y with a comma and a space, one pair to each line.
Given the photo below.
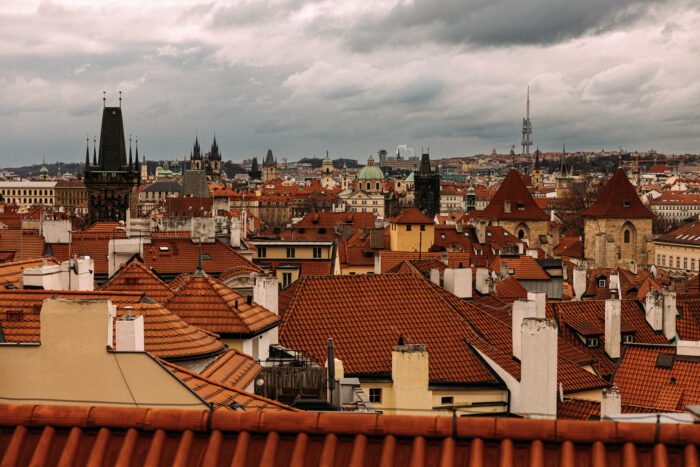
527, 127
131, 159
94, 150
87, 153
136, 162
120, 99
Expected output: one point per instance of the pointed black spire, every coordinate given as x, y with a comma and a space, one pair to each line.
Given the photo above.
131, 159
87, 153
136, 163
537, 159
94, 150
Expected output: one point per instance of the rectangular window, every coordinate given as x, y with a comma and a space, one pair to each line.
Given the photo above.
601, 282
317, 252
422, 228
286, 279
685, 263
408, 228
692, 264
447, 400
627, 338
658, 259
262, 252
375, 395
291, 253
663, 260
678, 261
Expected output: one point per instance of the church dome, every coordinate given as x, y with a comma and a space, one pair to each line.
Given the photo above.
327, 160
370, 171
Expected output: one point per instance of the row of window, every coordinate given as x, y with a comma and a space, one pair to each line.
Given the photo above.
661, 261
354, 201
291, 252
30, 201
32, 192
375, 397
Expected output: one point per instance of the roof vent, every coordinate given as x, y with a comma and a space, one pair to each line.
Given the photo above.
665, 360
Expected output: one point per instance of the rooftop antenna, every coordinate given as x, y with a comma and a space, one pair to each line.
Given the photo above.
120, 99
104, 99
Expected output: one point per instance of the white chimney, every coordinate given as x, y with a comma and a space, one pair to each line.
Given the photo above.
654, 309
378, 262
669, 316
538, 303
266, 292
538, 368
482, 281
613, 318
459, 281
610, 403
521, 309
580, 282
688, 348
410, 374
435, 276
130, 333
235, 239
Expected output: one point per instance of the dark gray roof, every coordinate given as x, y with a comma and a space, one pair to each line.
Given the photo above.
169, 186
194, 184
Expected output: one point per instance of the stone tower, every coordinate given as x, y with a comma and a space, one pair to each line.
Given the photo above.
327, 181
617, 227
564, 178
254, 172
269, 167
427, 188
112, 182
537, 172
213, 162
196, 159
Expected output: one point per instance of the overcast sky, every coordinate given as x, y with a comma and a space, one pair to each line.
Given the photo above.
304, 76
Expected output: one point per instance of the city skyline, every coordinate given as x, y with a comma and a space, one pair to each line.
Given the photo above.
303, 77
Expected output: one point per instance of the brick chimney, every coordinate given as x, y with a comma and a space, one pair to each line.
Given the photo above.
538, 368
459, 282
130, 334
613, 316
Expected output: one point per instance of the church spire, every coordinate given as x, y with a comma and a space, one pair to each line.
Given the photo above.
131, 159
563, 166
87, 153
94, 150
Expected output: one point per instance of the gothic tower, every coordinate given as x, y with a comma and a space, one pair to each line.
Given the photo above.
214, 162
112, 183
564, 178
255, 173
327, 181
196, 160
269, 167
427, 188
537, 173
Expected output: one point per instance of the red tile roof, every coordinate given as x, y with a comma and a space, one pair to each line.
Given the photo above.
525, 267
618, 199
167, 256
219, 395
104, 227
168, 337
389, 259
571, 247
365, 315
411, 216
644, 383
510, 289
688, 321
688, 234
233, 368
92, 244
128, 436
135, 276
24, 243
206, 303
309, 267
522, 205
10, 272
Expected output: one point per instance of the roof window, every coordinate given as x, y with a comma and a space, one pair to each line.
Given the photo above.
626, 203
163, 248
664, 360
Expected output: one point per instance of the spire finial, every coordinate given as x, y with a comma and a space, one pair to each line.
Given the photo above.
94, 150
131, 159
120, 99
104, 99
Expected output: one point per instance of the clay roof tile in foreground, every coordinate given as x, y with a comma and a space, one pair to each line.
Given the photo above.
10, 272
206, 303
618, 199
412, 216
128, 436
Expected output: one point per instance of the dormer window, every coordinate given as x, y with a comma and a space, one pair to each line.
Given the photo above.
601, 283
591, 342
506, 206
627, 338
521, 206
626, 203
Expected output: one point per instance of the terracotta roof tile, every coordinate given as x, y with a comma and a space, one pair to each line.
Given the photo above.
92, 244
645, 383
312, 267
206, 303
226, 437
514, 193
31, 244
688, 321
455, 259
618, 199
411, 216
233, 368
10, 272
569, 246
525, 267
510, 289
135, 276
223, 396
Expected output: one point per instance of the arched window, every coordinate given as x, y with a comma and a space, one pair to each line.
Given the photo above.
368, 186
521, 234
377, 186
627, 236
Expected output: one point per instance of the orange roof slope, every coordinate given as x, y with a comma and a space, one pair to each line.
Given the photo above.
646, 383
618, 199
24, 243
92, 244
167, 336
522, 206
524, 267
222, 396
10, 272
105, 435
412, 216
210, 305
365, 315
510, 289
233, 368
135, 276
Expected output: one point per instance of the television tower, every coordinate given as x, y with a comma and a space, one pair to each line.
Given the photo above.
527, 127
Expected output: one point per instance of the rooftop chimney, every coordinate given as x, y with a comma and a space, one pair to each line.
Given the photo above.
610, 403
580, 281
613, 317
538, 302
483, 285
410, 376
670, 312
538, 368
130, 334
266, 292
235, 239
654, 309
459, 282
521, 309
435, 276
688, 349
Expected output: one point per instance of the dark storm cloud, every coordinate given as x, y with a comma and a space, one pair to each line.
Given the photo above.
494, 22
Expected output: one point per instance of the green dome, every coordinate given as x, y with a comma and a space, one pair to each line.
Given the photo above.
44, 171
327, 160
370, 171
471, 190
